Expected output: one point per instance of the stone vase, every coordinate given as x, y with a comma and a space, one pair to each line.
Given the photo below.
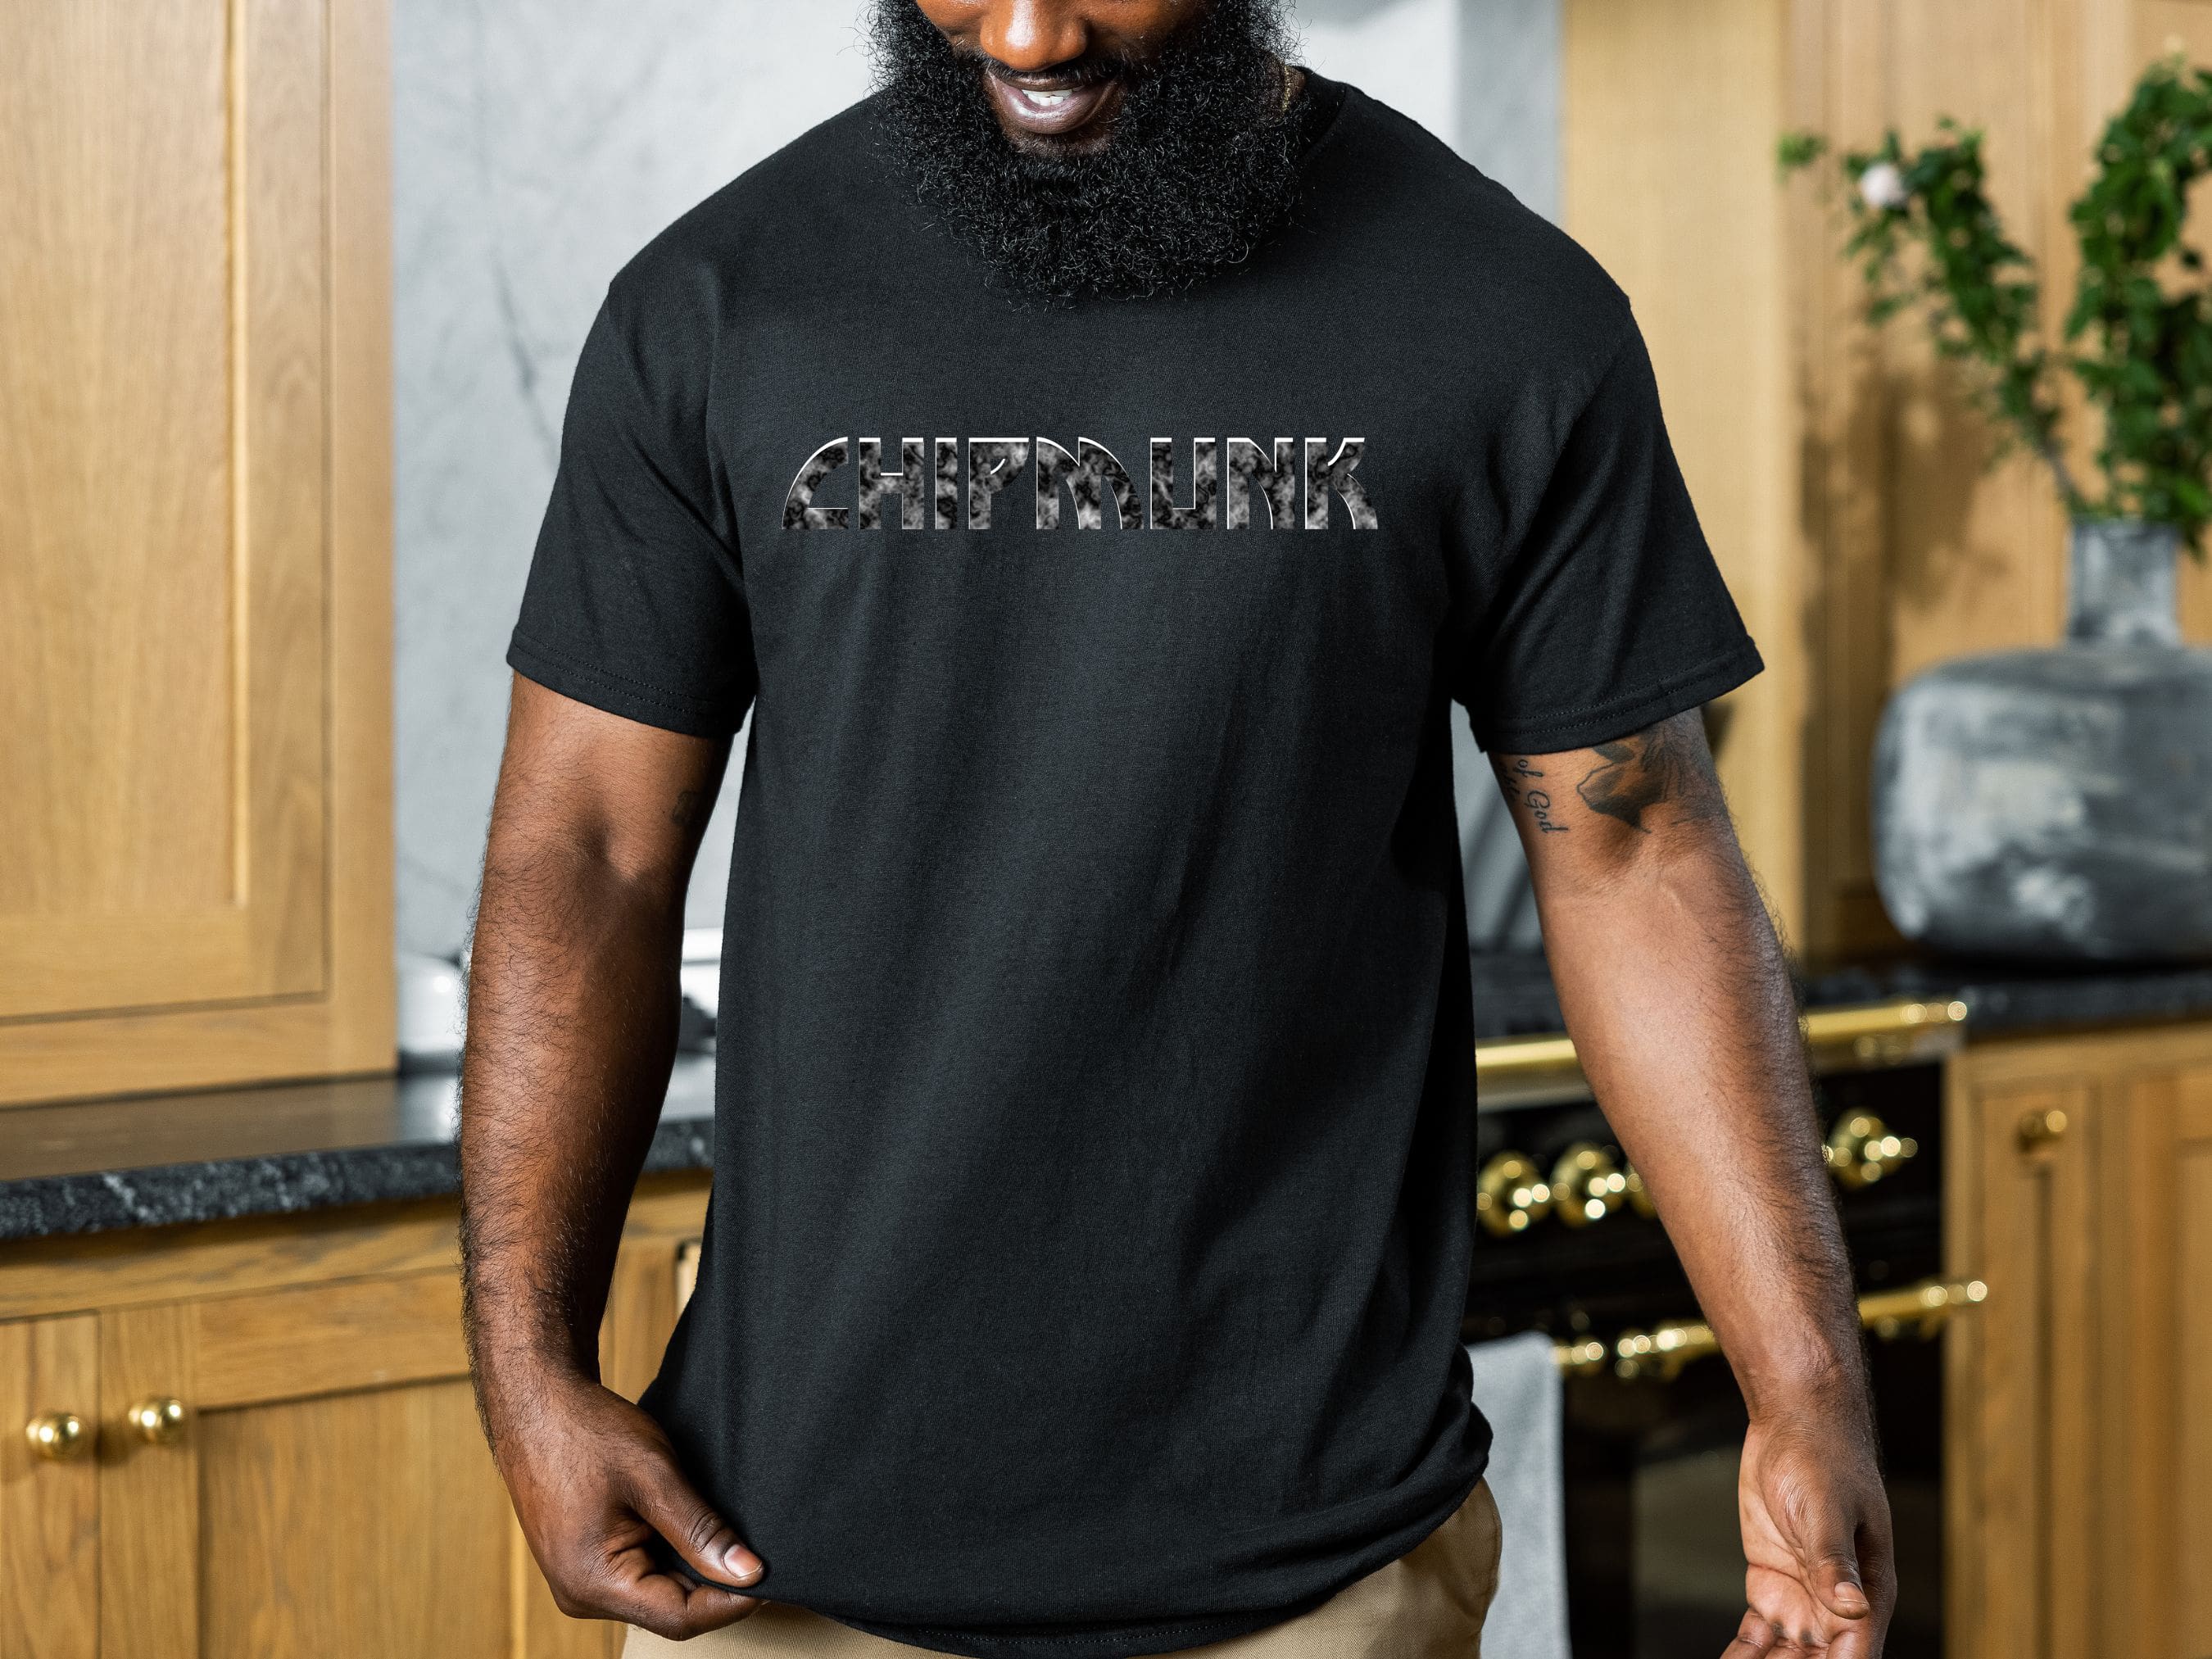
2057, 804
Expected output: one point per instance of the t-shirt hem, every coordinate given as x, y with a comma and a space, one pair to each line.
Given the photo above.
1577, 728
1127, 1642
1139, 1639
611, 693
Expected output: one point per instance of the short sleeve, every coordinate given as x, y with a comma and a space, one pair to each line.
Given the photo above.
635, 601
1608, 614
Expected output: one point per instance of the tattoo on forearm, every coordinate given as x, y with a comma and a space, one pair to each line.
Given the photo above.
1640, 772
1666, 766
692, 807
1524, 788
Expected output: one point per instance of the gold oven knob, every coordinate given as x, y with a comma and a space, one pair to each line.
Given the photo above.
159, 1419
1861, 1150
1509, 1193
1586, 1185
59, 1436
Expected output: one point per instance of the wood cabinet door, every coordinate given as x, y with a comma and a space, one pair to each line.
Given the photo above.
2156, 1426
2079, 1474
194, 543
49, 1508
329, 1493
2019, 1474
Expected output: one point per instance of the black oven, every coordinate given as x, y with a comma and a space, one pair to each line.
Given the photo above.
1652, 1424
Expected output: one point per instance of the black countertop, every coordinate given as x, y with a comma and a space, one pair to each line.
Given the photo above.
1513, 994
156, 1161
218, 1155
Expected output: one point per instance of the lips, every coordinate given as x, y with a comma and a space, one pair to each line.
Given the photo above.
1051, 113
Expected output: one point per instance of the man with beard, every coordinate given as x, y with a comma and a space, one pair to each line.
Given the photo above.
1092, 1211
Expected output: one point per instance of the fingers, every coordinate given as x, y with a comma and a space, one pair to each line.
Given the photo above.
639, 1593
1755, 1639
709, 1545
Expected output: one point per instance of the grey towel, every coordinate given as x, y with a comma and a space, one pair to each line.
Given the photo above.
1516, 1386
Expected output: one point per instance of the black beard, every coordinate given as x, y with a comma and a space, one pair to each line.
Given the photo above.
1199, 167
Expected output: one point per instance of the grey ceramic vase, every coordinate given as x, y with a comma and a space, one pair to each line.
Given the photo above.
2059, 804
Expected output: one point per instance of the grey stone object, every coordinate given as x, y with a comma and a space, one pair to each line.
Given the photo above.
2057, 804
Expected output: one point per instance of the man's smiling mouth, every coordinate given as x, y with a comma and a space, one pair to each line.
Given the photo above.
1039, 108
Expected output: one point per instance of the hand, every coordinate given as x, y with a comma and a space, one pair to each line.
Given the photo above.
593, 1481
1816, 1536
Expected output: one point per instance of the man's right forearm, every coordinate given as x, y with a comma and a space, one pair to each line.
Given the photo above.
572, 1024
572, 1029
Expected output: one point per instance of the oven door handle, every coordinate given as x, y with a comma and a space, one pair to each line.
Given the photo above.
1661, 1353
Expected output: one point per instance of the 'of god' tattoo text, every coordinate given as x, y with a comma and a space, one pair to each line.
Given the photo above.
1514, 776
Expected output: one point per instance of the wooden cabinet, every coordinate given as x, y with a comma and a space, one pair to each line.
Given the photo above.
195, 569
2080, 1401
327, 1491
1840, 472
49, 1510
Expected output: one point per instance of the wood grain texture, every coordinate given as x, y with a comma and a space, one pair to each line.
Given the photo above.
360, 1525
198, 357
333, 1494
166, 386
328, 1338
357, 1034
2158, 1509
127, 1269
114, 357
49, 1512
1841, 473
2019, 1458
641, 1310
2192, 1309
1669, 117
2080, 1463
150, 1539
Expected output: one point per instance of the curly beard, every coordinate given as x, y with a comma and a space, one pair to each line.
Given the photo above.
1199, 167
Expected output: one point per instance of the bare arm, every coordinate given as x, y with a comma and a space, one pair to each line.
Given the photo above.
572, 1030
1679, 1003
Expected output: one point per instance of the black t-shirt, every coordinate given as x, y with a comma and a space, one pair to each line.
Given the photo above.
1092, 1182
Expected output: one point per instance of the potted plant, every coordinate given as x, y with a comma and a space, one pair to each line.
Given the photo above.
2058, 803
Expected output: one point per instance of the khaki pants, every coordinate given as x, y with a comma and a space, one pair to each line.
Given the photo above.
1428, 1604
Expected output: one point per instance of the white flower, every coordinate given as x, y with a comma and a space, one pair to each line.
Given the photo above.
1882, 187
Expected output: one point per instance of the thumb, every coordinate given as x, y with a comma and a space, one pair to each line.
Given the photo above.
709, 1545
1834, 1577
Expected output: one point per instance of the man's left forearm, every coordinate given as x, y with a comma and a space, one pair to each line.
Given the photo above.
1679, 1003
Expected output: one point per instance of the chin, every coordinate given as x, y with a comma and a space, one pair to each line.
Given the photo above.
1056, 147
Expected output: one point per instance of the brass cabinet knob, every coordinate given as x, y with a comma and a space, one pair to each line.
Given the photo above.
159, 1419
1586, 1185
2041, 1129
59, 1436
1509, 1193
1861, 1150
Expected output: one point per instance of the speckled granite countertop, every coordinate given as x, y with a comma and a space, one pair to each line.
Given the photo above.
98, 1166
103, 1165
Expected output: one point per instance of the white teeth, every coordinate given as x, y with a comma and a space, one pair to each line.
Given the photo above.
1049, 100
